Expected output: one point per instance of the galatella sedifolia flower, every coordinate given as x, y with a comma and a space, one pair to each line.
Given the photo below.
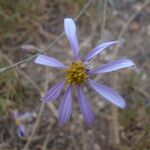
77, 74
20, 125
21, 119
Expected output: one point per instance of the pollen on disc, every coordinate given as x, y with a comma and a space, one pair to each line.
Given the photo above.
76, 73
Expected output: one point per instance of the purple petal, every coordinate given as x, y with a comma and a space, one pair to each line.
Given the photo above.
49, 61
25, 116
65, 107
113, 65
53, 93
99, 49
15, 114
21, 131
70, 30
108, 93
85, 106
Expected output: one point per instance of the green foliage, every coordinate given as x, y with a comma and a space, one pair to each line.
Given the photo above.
78, 2
127, 115
132, 81
11, 91
148, 110
130, 84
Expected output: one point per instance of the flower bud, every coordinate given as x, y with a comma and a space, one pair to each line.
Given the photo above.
29, 49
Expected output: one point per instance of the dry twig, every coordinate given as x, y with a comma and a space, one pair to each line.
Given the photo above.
104, 19
125, 27
42, 107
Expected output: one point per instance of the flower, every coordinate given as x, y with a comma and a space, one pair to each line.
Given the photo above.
76, 74
20, 126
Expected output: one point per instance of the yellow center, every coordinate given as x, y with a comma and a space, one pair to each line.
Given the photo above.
76, 73
17, 121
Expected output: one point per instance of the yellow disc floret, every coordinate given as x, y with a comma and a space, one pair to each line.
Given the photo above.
17, 121
76, 73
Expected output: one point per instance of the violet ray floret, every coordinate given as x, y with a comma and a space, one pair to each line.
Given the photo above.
98, 49
85, 106
65, 107
21, 131
70, 30
76, 74
108, 93
112, 66
48, 61
53, 93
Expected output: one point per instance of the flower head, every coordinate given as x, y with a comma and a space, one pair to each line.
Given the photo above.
76, 74
18, 122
